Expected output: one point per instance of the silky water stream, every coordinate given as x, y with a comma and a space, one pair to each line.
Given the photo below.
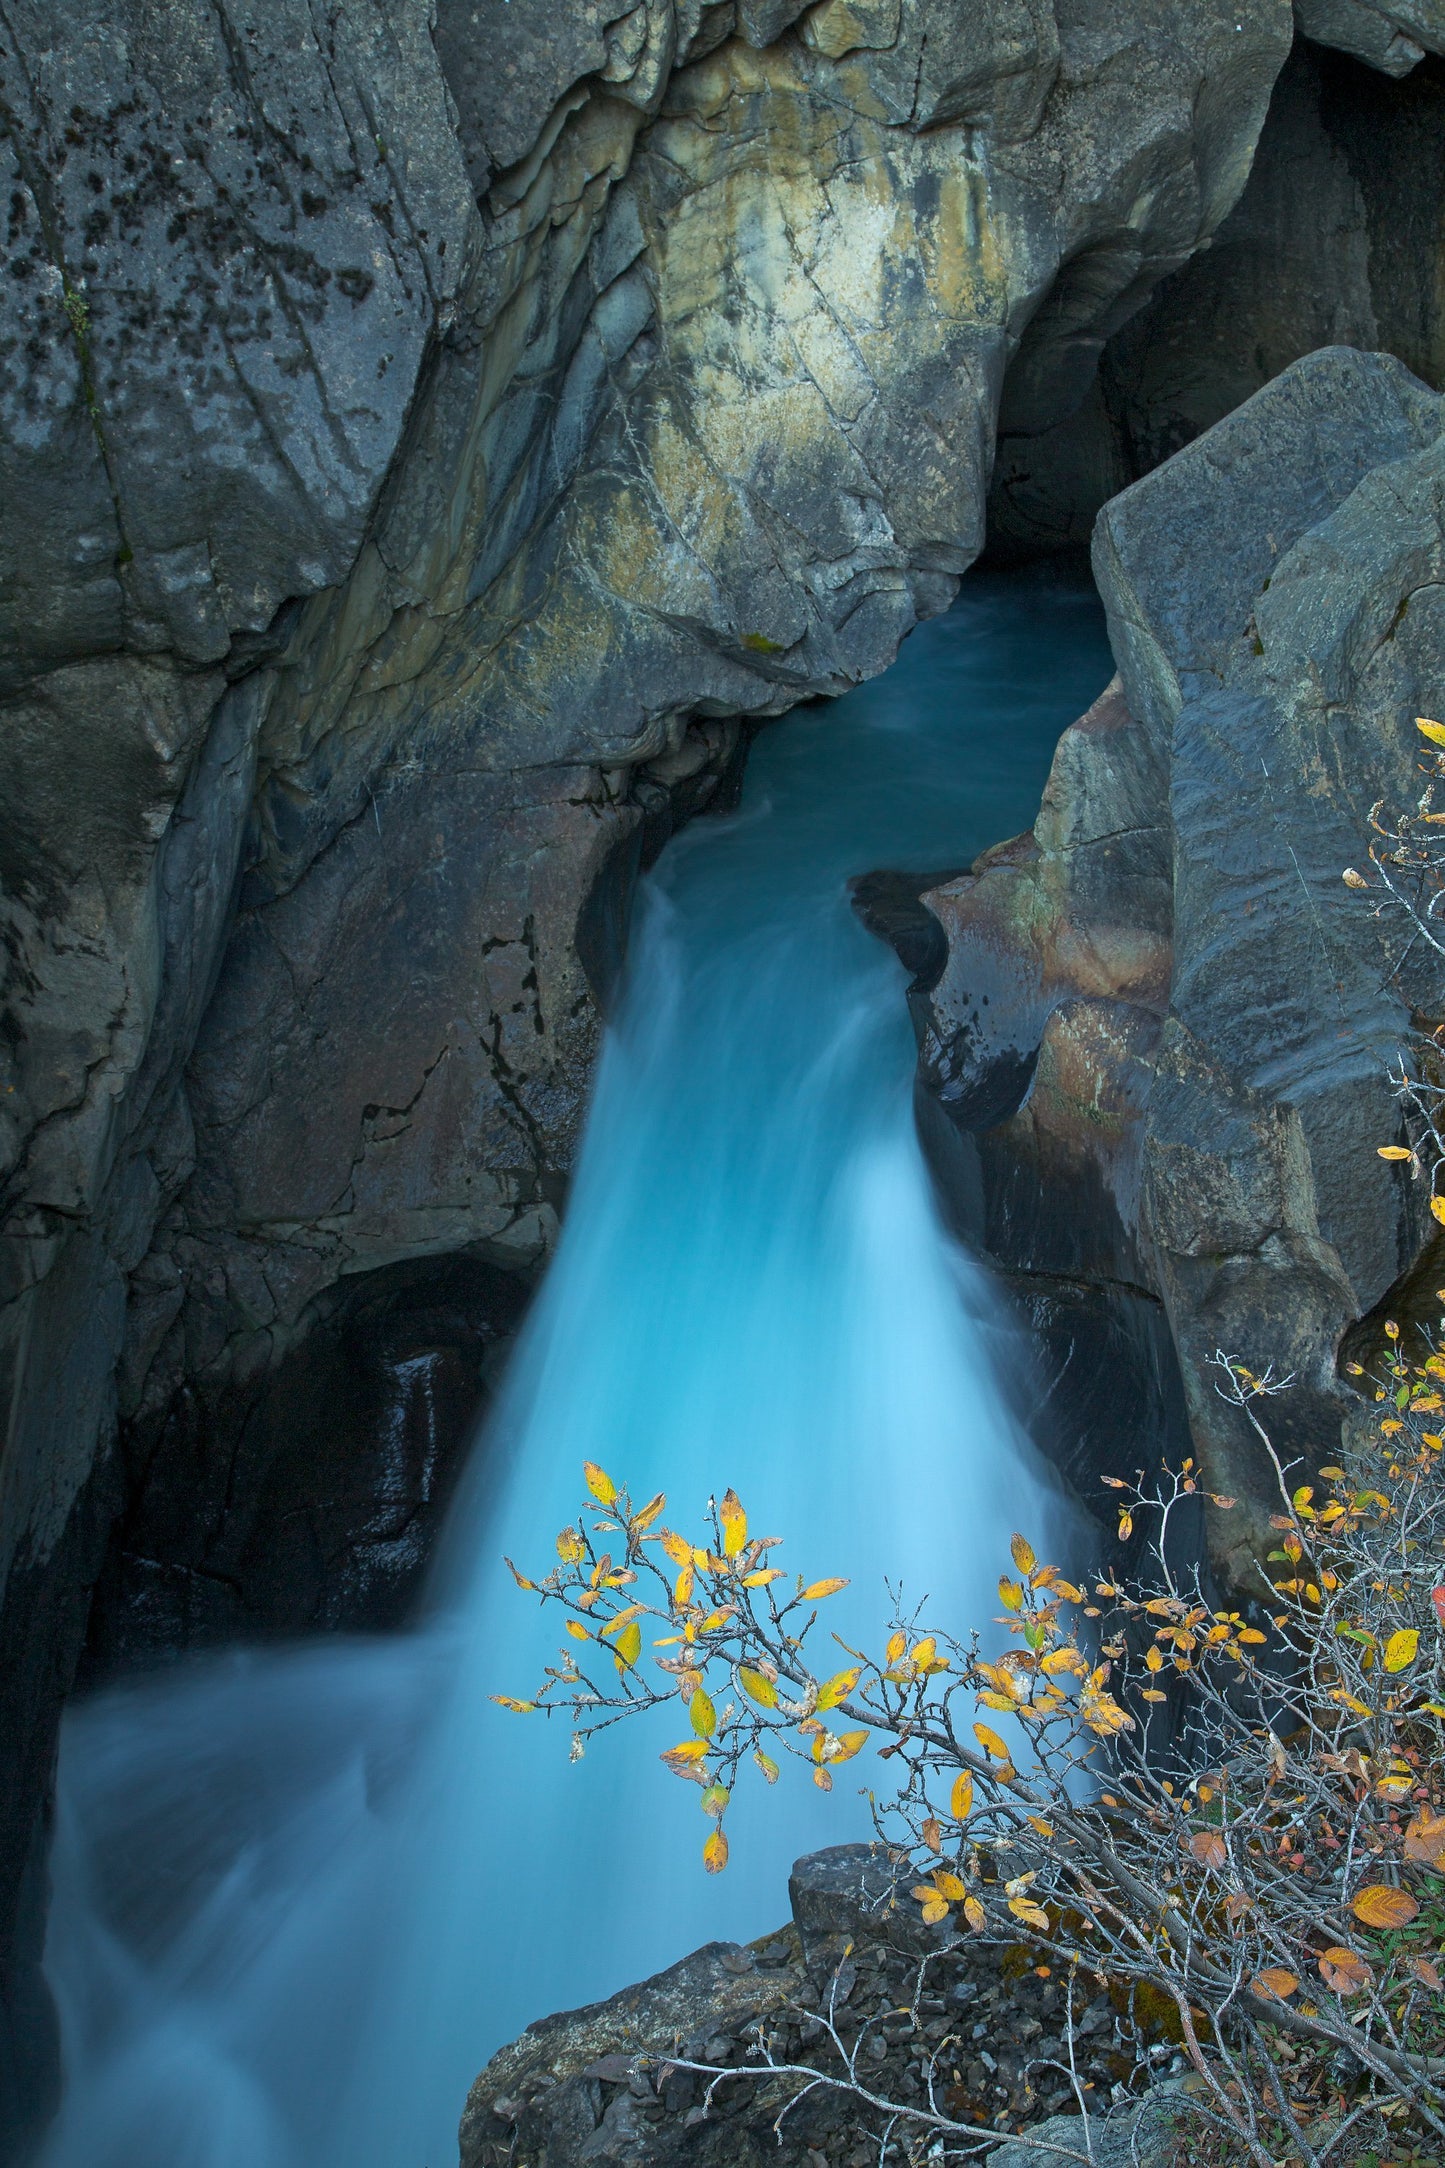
299, 1896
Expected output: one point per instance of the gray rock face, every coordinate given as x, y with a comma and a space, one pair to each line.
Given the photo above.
1336, 240
1389, 38
386, 568
1146, 2138
1209, 1080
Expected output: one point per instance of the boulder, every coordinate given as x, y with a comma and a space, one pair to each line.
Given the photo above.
1194, 1016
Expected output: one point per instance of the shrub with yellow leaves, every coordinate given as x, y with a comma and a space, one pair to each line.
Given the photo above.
1235, 1818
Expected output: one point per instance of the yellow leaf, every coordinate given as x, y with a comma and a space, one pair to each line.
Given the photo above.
570, 1547
935, 1905
948, 1885
1032, 1915
682, 1587
1023, 1555
1151, 1693
761, 1690
1275, 1983
1393, 1151
520, 1578
1401, 1649
734, 1524
1005, 1702
702, 1714
991, 1742
1437, 1206
838, 1688
518, 1708
766, 1763
847, 1745
1381, 1906
685, 1752
577, 1630
817, 1590
1010, 1595
715, 1852
1061, 1660
762, 1577
1126, 1526
823, 1779
960, 1801
1045, 1829
678, 1549
600, 1483
628, 1646
1434, 731
897, 1644
974, 1913
649, 1513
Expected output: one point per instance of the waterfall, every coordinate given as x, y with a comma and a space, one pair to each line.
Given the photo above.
300, 1895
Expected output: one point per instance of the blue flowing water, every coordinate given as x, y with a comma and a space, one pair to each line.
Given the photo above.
301, 1895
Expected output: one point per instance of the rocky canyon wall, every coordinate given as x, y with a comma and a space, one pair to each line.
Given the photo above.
431, 437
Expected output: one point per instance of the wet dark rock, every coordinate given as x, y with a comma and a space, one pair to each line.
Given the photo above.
307, 1496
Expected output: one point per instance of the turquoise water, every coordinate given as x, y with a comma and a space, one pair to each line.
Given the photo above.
301, 1895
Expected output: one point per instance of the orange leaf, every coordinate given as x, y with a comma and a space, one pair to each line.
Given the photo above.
1274, 1981
1425, 1837
974, 1913
1426, 1973
1208, 1848
1344, 1971
1381, 1906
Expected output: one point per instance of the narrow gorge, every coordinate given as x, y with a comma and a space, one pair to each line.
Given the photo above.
440, 443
